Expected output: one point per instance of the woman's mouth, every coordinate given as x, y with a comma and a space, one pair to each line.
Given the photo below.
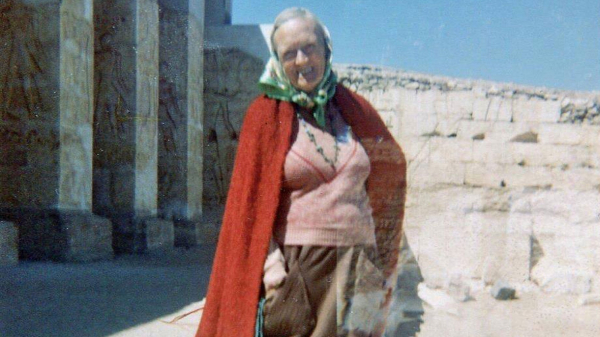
307, 74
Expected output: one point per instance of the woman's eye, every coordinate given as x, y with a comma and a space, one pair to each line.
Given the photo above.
308, 49
289, 55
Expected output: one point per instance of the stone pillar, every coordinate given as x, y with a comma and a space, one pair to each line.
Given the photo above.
126, 122
181, 118
218, 12
47, 119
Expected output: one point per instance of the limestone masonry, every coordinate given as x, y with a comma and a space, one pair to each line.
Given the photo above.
121, 120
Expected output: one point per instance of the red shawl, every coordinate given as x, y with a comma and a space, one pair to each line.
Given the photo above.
253, 198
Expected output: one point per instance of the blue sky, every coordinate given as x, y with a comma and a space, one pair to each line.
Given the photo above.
547, 43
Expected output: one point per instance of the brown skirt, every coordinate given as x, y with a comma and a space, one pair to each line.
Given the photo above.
328, 291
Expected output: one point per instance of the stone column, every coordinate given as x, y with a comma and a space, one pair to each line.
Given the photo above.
126, 123
88, 236
181, 118
46, 130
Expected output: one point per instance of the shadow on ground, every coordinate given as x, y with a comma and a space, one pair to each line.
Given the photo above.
100, 298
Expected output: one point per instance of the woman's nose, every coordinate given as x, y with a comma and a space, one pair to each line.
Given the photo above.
301, 58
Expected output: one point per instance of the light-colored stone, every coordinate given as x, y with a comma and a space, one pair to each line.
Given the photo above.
9, 244
579, 179
392, 122
494, 175
146, 96
567, 282
532, 154
442, 150
567, 134
417, 125
536, 110
76, 106
427, 174
496, 132
494, 108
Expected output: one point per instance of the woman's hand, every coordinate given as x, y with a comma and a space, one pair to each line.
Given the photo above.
274, 271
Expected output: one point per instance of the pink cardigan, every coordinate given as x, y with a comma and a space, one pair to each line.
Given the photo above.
254, 195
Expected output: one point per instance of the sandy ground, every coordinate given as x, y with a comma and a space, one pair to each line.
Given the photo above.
531, 315
135, 296
105, 298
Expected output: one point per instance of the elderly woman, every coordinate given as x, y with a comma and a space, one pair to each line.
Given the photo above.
312, 225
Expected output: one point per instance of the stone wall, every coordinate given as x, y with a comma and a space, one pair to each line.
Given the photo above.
504, 180
230, 86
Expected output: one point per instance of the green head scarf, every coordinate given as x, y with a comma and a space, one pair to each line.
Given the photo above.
275, 84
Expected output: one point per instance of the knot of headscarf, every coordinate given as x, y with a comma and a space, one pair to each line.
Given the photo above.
275, 84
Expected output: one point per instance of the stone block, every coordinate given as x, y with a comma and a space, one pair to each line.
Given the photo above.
88, 237
415, 102
575, 207
392, 121
493, 153
591, 136
494, 132
428, 174
516, 256
532, 154
189, 233
566, 134
495, 175
417, 125
493, 108
579, 179
62, 235
535, 110
448, 125
139, 235
443, 150
459, 103
458, 288
576, 283
160, 234
9, 240
414, 148
450, 243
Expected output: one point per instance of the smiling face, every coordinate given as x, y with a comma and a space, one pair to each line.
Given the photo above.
301, 52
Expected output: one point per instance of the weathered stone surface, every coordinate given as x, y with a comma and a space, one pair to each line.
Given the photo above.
496, 132
87, 237
230, 87
76, 104
29, 103
494, 175
9, 239
531, 154
458, 289
428, 174
191, 233
536, 110
146, 103
140, 235
61, 235
492, 109
160, 234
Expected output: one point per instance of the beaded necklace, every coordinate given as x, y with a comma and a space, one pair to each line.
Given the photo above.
318, 147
